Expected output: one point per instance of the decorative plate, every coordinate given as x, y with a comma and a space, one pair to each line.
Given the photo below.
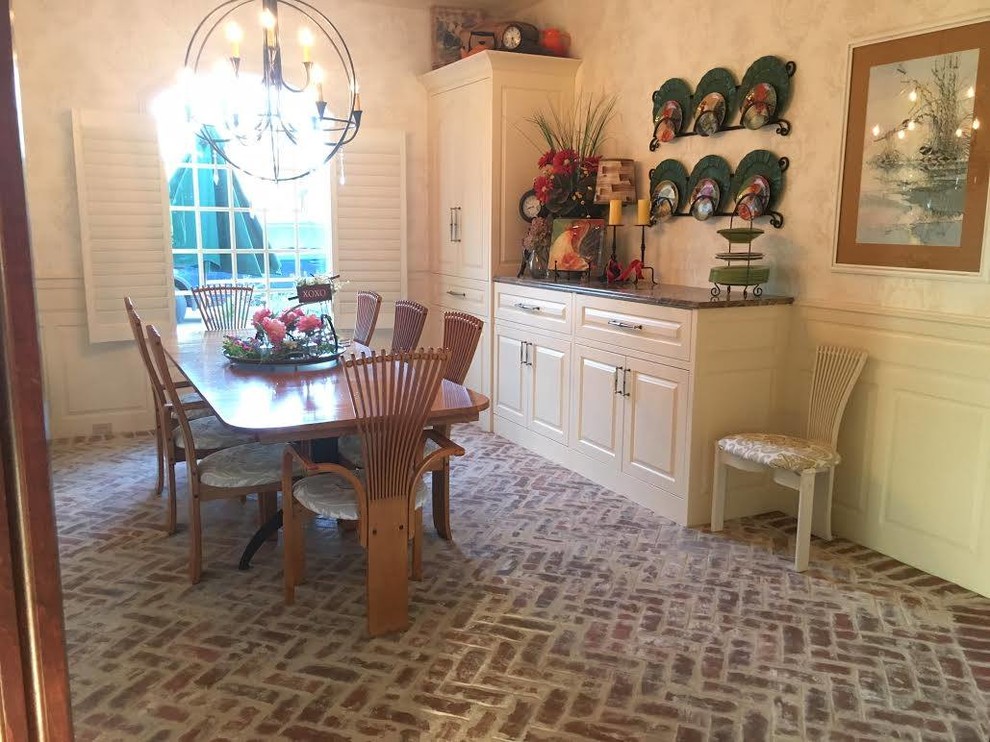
752, 200
714, 98
674, 173
671, 104
740, 235
704, 199
731, 256
760, 162
759, 105
713, 168
768, 71
663, 201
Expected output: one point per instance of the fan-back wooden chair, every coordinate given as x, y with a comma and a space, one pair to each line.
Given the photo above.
369, 304
232, 472
803, 464
461, 334
392, 397
194, 404
410, 318
224, 306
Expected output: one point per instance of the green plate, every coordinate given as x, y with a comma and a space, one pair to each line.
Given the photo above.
759, 162
740, 275
740, 235
676, 173
718, 80
772, 70
717, 169
674, 89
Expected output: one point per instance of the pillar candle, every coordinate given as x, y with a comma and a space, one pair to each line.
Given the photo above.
615, 212
643, 211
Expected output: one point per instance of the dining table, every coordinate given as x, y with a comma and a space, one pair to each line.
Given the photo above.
302, 402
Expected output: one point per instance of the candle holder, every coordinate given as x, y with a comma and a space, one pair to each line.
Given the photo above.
642, 258
612, 269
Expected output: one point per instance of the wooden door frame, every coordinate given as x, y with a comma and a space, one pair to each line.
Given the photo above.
34, 679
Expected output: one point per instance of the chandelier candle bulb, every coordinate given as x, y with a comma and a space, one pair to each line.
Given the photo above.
235, 34
615, 212
268, 23
642, 212
306, 41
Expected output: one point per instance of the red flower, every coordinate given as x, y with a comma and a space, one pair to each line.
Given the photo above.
565, 161
546, 158
589, 165
543, 185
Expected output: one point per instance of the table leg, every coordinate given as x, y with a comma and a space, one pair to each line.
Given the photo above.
267, 507
269, 528
441, 493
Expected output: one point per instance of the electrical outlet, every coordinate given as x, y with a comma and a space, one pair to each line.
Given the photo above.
103, 429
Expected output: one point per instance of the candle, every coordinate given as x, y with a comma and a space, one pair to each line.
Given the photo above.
615, 212
643, 211
357, 102
306, 41
268, 23
234, 35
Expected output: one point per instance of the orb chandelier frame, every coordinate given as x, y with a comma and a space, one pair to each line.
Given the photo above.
272, 127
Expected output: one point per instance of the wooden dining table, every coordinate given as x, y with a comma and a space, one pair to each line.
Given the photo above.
302, 403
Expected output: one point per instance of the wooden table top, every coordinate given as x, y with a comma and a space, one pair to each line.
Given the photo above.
298, 402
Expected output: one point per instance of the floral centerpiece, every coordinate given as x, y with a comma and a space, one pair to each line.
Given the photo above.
293, 335
569, 164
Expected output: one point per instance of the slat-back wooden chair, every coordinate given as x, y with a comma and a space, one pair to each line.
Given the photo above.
224, 306
369, 304
164, 420
410, 318
234, 471
803, 464
392, 397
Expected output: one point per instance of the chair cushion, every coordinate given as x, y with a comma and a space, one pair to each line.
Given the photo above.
350, 447
198, 412
209, 432
250, 465
781, 451
332, 496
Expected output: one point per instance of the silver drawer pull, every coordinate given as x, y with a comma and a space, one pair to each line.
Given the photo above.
528, 307
458, 293
624, 325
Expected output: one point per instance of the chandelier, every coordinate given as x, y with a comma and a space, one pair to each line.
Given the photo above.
282, 115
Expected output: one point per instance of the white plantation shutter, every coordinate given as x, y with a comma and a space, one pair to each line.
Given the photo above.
124, 220
369, 218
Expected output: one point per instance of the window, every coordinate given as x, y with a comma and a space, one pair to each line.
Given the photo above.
230, 227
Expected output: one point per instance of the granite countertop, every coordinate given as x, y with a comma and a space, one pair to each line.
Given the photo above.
664, 294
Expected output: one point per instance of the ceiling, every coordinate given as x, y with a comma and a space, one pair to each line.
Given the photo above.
501, 8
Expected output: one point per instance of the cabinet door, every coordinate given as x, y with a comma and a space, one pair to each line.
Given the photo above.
472, 200
511, 375
654, 440
550, 369
596, 428
446, 173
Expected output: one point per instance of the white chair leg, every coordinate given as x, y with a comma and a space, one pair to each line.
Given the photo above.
806, 504
821, 523
718, 492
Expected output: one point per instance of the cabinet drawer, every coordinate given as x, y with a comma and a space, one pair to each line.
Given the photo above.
460, 295
547, 310
664, 331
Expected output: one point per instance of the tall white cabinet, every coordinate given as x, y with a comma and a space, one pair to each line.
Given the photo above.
481, 161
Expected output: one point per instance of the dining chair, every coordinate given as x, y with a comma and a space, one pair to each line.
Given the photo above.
224, 306
803, 464
231, 472
392, 395
194, 403
410, 318
369, 304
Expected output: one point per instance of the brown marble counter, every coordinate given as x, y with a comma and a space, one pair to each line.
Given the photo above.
664, 294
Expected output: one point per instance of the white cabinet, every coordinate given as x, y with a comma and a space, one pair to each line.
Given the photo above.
631, 415
633, 395
533, 374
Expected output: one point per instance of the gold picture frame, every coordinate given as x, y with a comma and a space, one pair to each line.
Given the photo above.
916, 160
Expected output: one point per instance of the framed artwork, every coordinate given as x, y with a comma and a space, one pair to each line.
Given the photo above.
447, 27
916, 160
576, 244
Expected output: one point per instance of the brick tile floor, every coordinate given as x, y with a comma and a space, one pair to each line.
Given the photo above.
561, 611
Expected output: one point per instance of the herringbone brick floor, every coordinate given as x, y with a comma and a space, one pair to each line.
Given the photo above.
561, 611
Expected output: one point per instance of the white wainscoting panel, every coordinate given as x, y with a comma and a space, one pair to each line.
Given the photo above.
915, 477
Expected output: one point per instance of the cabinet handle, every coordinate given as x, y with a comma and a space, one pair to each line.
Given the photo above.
458, 293
457, 224
615, 379
529, 358
625, 381
624, 325
522, 354
528, 307
451, 223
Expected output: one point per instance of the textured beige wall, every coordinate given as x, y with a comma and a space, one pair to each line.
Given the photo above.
630, 47
119, 54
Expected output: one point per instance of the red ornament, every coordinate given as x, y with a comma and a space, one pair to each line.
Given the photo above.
555, 41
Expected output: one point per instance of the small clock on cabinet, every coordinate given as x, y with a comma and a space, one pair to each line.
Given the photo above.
530, 206
517, 36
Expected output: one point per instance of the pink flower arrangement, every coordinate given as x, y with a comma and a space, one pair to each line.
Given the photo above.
308, 324
274, 330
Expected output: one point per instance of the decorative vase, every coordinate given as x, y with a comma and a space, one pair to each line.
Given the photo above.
538, 261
